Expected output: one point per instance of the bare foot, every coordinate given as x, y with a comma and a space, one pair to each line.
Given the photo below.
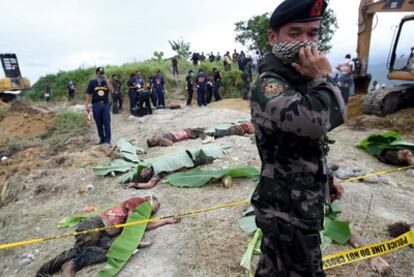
380, 265
68, 269
145, 243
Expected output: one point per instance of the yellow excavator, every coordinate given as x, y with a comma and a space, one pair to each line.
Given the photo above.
401, 60
13, 83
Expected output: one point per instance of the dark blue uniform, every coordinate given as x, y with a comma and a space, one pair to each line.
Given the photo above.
216, 85
201, 81
158, 87
99, 91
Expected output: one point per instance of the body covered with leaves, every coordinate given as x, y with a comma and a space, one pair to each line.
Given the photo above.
93, 248
294, 104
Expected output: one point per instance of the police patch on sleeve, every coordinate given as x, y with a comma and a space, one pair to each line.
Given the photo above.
272, 89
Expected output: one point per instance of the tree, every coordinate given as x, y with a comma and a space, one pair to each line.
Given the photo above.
158, 55
253, 32
182, 48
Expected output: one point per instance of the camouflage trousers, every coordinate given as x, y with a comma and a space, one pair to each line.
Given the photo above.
288, 251
89, 249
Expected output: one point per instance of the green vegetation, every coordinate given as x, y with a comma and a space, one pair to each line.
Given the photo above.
231, 83
252, 33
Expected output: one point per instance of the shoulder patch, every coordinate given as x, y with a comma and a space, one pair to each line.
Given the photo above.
272, 88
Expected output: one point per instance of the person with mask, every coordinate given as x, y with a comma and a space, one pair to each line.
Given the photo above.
117, 95
216, 84
294, 103
97, 93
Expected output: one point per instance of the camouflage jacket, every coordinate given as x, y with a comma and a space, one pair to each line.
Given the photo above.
291, 116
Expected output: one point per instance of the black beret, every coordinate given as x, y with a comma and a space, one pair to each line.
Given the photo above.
297, 11
100, 70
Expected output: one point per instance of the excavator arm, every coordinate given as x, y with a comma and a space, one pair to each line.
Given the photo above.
367, 10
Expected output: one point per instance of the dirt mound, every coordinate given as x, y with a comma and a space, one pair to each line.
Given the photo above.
24, 122
22, 164
355, 107
401, 121
236, 104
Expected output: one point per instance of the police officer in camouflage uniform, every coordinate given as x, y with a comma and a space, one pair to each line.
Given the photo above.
294, 104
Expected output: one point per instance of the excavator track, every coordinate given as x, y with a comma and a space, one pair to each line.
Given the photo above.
388, 100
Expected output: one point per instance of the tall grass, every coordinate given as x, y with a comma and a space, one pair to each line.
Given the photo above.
231, 84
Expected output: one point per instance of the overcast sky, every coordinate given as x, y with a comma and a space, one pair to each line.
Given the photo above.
50, 35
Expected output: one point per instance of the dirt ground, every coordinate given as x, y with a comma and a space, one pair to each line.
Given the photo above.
209, 244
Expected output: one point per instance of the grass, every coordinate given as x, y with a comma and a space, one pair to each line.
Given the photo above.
231, 83
3, 112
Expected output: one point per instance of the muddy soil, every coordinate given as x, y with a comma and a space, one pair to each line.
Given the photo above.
209, 244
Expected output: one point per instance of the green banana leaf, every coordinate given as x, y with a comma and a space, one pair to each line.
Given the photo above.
338, 231
181, 159
127, 177
197, 177
325, 241
252, 248
375, 144
127, 242
211, 131
129, 151
117, 165
73, 220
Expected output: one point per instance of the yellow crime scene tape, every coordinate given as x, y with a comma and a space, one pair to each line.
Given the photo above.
366, 252
330, 261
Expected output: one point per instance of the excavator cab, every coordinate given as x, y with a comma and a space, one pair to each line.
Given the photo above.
13, 82
401, 64
389, 99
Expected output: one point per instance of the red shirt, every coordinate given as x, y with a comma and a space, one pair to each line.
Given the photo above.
119, 214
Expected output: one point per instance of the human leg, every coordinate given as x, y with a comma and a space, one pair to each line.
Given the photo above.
106, 116
289, 251
97, 116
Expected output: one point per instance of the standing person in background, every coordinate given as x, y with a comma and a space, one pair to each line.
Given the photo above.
345, 69
117, 95
375, 86
211, 58
153, 93
71, 90
235, 55
227, 61
217, 84
158, 86
241, 59
255, 62
190, 87
202, 57
174, 62
132, 92
48, 93
209, 89
294, 103
247, 77
201, 81
218, 57
98, 93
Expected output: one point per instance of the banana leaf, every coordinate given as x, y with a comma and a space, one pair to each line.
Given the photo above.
197, 177
117, 165
127, 242
211, 131
127, 177
338, 231
375, 144
73, 220
129, 151
252, 248
180, 159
